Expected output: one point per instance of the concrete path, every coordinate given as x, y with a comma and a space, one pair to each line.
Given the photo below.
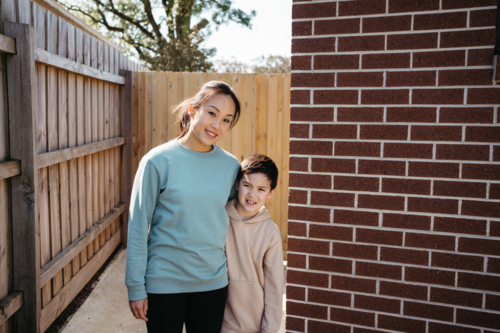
107, 310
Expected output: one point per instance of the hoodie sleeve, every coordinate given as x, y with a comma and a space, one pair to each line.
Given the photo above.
273, 285
144, 197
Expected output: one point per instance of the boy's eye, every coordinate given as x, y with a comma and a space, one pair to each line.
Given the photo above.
246, 185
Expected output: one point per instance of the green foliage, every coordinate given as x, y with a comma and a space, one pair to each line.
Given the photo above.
161, 32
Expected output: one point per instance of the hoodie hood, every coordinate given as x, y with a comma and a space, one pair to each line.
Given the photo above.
261, 216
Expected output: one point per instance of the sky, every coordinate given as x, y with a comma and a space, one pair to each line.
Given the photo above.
271, 32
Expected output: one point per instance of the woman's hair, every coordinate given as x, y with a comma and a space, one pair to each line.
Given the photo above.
207, 91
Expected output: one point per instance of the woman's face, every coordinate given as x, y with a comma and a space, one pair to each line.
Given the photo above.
210, 122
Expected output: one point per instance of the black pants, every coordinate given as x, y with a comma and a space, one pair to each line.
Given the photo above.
202, 312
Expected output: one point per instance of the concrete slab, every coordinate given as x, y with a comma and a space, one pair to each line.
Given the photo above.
107, 310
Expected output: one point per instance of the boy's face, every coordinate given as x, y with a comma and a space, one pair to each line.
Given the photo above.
253, 191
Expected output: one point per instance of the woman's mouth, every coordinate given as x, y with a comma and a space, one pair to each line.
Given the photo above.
210, 134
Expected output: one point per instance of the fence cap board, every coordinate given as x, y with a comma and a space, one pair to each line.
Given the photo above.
10, 169
10, 304
7, 44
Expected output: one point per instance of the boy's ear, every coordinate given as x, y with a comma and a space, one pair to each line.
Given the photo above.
271, 194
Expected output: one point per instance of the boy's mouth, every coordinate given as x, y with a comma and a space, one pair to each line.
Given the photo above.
250, 202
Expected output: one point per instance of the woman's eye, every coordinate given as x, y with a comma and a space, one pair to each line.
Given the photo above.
227, 121
211, 113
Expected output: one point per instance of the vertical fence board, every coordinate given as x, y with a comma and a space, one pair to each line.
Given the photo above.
105, 66
126, 118
285, 163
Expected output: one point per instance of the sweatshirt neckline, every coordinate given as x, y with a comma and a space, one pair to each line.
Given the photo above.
194, 152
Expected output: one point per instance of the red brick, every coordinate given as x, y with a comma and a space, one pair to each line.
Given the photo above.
493, 263
438, 96
377, 304
440, 21
374, 167
301, 62
369, 149
432, 205
412, 41
492, 302
362, 7
385, 60
443, 328
330, 265
332, 199
353, 284
481, 171
480, 57
387, 23
400, 6
378, 270
428, 311
404, 256
309, 214
432, 276
330, 232
311, 114
411, 114
313, 10
300, 97
483, 18
360, 114
307, 278
430, 169
453, 4
401, 324
439, 59
385, 96
384, 132
478, 318
308, 246
467, 38
494, 191
307, 45
322, 327
296, 260
406, 221
465, 77
456, 297
478, 281
336, 97
297, 229
360, 79
460, 189
354, 251
355, 217
482, 134
403, 290
298, 163
337, 26
299, 130
295, 324
307, 310
410, 186
460, 226
466, 115
355, 183
310, 181
338, 61
352, 317
436, 133
477, 245
313, 80
302, 28
455, 261
385, 202
483, 96
379, 236
308, 147
411, 79
463, 152
480, 208
295, 293
333, 165
408, 150
335, 131
496, 153
361, 43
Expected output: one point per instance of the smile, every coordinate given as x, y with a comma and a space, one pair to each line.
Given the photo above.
251, 202
211, 134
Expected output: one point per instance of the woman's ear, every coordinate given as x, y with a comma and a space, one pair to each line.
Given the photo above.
191, 110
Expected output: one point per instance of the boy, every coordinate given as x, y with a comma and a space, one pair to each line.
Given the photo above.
254, 252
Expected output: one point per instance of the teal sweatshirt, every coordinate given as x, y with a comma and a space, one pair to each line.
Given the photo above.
177, 221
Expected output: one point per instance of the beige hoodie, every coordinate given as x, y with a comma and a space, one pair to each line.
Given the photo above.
255, 268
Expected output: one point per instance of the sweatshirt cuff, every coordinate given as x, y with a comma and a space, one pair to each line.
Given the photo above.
137, 293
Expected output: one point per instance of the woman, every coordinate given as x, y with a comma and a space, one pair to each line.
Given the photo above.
176, 266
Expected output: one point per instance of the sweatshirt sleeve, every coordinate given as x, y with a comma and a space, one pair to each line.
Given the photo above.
234, 193
144, 197
273, 285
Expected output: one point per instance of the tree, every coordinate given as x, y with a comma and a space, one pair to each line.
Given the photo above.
161, 32
271, 65
231, 65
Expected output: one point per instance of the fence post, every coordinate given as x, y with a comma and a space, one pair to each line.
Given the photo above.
21, 96
127, 149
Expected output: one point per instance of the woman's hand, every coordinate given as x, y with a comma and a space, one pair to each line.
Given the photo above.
139, 308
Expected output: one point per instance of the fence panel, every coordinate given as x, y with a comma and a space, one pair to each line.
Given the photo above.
263, 126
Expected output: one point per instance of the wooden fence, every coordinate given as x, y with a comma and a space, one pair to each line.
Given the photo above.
263, 126
65, 152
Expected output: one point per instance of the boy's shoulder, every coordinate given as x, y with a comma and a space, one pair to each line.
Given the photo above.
272, 228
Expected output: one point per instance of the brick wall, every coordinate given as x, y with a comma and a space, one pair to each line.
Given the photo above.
394, 215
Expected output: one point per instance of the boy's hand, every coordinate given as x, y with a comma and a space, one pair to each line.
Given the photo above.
139, 308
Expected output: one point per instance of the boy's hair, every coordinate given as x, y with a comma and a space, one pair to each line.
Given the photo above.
259, 163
